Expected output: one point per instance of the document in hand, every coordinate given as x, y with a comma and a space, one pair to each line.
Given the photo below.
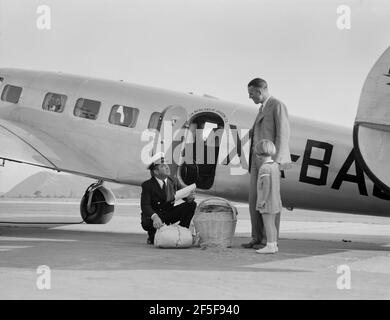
185, 192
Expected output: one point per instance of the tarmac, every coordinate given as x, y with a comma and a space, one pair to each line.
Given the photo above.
321, 256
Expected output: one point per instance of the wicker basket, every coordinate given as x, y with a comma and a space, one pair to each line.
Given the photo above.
215, 222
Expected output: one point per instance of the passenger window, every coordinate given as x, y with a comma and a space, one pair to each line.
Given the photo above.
11, 93
154, 120
54, 102
123, 116
86, 108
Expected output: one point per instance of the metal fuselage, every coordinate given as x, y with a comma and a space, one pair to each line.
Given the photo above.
324, 175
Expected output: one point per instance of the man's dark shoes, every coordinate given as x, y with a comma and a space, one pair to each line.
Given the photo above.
250, 244
260, 245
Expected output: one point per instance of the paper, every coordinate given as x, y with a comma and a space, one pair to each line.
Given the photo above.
185, 192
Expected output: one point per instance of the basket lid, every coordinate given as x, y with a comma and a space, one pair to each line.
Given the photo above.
215, 205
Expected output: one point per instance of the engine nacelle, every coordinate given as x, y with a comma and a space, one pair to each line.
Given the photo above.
97, 205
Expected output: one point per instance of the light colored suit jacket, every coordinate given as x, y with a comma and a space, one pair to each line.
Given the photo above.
272, 124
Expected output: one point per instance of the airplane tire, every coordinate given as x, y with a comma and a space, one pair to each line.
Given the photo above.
100, 213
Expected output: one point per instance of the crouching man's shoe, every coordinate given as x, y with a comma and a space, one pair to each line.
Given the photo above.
271, 247
150, 237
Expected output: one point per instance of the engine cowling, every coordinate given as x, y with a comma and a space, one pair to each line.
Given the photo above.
371, 135
99, 209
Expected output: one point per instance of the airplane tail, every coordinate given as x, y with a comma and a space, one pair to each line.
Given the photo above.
371, 133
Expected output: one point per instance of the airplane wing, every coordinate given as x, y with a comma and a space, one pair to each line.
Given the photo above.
33, 146
18, 145
372, 124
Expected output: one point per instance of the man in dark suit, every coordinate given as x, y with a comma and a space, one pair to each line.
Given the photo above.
158, 200
271, 123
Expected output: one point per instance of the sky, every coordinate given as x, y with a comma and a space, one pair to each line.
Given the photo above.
205, 46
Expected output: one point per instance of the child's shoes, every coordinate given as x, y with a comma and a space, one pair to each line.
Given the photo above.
271, 247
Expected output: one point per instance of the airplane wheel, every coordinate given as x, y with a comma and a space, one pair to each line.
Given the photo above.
100, 212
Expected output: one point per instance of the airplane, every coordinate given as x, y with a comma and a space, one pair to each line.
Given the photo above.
105, 129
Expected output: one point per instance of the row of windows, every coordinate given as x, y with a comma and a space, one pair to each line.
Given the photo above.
84, 108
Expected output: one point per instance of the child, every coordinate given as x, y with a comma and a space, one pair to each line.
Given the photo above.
269, 202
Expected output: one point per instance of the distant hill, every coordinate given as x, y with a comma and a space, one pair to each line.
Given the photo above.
53, 185
126, 192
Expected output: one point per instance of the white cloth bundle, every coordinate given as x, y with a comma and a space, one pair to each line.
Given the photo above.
173, 236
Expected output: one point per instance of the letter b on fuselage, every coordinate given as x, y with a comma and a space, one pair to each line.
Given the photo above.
322, 164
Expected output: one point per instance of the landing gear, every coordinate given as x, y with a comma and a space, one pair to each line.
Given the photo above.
97, 205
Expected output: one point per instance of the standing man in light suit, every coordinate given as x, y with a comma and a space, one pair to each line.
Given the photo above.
271, 123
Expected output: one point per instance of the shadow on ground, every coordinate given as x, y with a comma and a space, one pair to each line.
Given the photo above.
75, 250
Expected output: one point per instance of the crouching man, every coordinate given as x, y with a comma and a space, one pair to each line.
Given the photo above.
158, 200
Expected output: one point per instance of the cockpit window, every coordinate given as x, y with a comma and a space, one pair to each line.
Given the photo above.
11, 93
54, 102
123, 116
86, 108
